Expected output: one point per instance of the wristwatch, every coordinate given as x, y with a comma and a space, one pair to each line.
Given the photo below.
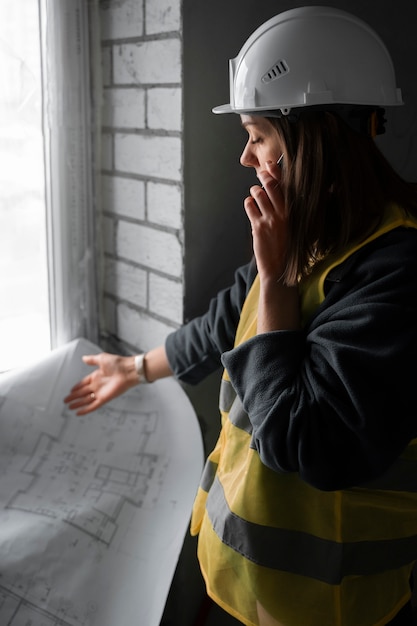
140, 369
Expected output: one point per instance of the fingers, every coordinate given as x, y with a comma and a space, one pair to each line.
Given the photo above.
89, 360
270, 176
81, 392
269, 198
89, 407
252, 203
85, 408
83, 402
263, 199
92, 359
275, 168
83, 395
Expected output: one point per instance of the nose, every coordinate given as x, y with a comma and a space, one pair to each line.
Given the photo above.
247, 158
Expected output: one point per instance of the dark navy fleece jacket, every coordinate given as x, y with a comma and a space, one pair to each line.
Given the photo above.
337, 401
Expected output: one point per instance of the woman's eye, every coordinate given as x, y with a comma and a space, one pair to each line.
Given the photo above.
257, 140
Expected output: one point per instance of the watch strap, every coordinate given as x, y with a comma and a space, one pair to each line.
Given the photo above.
140, 368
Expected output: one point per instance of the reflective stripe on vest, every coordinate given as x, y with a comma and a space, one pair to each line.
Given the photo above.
328, 561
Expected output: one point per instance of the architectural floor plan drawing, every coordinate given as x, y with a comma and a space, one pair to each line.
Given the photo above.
93, 509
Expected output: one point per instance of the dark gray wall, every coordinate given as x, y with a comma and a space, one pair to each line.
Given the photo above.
216, 230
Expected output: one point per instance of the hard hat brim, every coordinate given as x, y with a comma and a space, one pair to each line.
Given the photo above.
223, 108
263, 111
227, 108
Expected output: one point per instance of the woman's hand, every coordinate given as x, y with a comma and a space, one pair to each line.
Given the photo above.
279, 306
114, 375
267, 214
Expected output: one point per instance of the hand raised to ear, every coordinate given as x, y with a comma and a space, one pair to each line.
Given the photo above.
267, 214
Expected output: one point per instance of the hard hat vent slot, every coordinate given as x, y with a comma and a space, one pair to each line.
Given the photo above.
276, 71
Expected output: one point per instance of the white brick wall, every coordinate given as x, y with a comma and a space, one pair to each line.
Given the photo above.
164, 108
149, 62
141, 190
121, 18
165, 205
124, 108
149, 247
148, 156
124, 196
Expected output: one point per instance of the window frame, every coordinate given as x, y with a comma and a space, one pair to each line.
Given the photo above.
69, 128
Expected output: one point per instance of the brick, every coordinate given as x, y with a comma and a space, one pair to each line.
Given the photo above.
139, 329
165, 298
123, 196
121, 18
165, 204
154, 156
164, 108
162, 16
147, 62
149, 247
124, 108
126, 282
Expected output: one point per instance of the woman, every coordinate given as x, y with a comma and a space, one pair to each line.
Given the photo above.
307, 508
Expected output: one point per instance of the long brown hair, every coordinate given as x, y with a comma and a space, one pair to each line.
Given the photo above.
336, 184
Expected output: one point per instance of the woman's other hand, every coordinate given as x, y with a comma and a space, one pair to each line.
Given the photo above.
112, 377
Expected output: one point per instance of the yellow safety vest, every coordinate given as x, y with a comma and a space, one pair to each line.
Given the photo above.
308, 557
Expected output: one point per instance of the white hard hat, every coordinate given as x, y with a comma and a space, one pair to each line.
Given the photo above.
311, 57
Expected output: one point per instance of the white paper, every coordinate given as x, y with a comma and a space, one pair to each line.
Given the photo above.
93, 509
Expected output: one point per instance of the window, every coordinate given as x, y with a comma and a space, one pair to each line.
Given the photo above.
47, 244
24, 313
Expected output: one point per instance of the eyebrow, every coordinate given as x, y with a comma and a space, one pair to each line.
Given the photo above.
249, 123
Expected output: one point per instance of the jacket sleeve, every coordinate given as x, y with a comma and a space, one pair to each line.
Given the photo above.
194, 350
337, 402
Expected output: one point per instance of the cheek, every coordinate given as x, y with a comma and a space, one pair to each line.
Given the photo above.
267, 156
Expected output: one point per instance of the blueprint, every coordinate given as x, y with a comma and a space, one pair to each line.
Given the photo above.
93, 509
